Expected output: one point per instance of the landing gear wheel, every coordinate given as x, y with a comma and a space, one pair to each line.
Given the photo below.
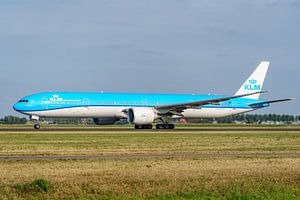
144, 126
165, 126
160, 126
37, 126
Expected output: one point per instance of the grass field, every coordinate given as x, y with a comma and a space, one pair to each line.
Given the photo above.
252, 177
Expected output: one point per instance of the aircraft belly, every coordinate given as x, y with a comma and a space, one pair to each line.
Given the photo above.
94, 111
117, 112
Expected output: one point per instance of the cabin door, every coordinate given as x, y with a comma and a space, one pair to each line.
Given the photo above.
86, 103
45, 103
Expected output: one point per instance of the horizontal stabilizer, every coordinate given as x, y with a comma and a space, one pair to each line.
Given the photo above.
268, 102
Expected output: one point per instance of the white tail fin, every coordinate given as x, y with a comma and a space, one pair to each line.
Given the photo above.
255, 82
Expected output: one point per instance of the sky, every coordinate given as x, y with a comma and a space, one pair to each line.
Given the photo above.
151, 46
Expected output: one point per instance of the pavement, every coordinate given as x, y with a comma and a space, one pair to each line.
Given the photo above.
130, 156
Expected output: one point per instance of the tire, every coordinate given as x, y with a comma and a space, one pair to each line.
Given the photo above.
145, 126
137, 127
160, 126
149, 126
171, 126
37, 126
165, 126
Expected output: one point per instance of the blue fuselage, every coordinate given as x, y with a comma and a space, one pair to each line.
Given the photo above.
49, 101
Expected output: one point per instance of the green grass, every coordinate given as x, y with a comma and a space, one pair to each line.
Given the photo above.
120, 186
46, 142
270, 192
36, 186
150, 178
180, 125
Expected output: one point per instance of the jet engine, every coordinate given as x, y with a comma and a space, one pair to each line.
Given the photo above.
141, 115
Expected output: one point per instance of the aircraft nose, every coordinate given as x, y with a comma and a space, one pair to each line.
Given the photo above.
17, 107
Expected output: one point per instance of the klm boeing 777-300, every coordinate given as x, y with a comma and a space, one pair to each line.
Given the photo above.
144, 109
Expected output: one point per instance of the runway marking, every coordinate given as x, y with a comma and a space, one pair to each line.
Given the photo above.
70, 157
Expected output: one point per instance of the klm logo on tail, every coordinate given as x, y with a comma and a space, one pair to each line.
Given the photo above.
255, 81
252, 85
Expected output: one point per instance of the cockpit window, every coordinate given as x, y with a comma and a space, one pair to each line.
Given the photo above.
23, 101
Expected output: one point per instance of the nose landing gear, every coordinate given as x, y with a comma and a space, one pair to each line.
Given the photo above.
35, 119
37, 126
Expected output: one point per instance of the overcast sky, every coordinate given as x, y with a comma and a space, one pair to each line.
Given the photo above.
161, 46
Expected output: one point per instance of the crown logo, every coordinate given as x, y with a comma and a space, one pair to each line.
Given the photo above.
56, 98
252, 81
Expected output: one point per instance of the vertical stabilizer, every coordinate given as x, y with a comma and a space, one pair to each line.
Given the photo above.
255, 82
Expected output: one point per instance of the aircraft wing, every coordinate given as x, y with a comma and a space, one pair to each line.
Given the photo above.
179, 107
268, 102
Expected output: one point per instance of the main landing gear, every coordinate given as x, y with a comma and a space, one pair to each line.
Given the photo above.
144, 126
165, 126
158, 126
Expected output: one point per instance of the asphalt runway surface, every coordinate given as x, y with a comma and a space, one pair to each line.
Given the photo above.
125, 156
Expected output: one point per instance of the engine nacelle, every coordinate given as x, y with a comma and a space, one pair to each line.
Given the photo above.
105, 121
141, 115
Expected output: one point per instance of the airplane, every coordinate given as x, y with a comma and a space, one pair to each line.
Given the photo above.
144, 109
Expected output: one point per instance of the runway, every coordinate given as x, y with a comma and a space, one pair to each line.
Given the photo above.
178, 129
137, 156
